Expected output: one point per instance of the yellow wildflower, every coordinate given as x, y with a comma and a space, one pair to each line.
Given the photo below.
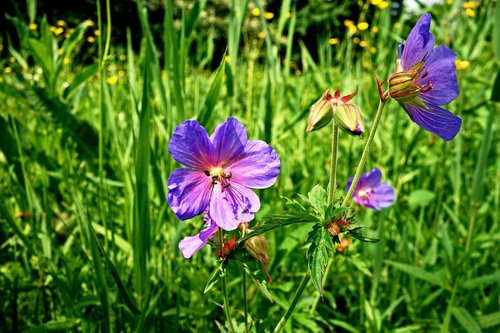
227, 59
12, 59
52, 28
255, 11
333, 41
471, 4
375, 29
7, 70
90, 23
122, 57
373, 50
61, 23
163, 75
59, 51
288, 15
348, 23
397, 25
470, 12
363, 26
58, 31
261, 34
66, 61
90, 39
121, 73
32, 26
462, 64
363, 43
112, 80
268, 15
375, 2
356, 40
97, 32
383, 5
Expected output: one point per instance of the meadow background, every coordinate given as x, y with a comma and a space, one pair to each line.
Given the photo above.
89, 98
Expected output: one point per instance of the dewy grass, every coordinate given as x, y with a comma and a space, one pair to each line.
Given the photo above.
436, 258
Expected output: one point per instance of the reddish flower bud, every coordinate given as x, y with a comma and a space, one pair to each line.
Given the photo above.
257, 247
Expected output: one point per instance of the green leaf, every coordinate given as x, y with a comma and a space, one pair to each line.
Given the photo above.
252, 268
483, 280
466, 320
216, 276
318, 254
495, 90
419, 273
496, 33
319, 200
80, 78
55, 325
213, 94
421, 198
489, 320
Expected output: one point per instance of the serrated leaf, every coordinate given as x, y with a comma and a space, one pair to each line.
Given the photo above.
318, 200
318, 254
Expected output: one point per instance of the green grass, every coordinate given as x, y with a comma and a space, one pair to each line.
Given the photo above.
87, 158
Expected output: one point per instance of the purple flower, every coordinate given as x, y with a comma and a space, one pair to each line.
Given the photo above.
192, 244
370, 192
220, 171
425, 79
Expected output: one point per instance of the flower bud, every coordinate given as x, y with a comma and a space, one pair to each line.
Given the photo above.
321, 113
257, 247
348, 118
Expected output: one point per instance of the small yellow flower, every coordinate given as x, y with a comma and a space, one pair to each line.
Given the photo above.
112, 80
59, 51
1, 79
462, 64
255, 12
61, 23
333, 41
362, 26
121, 73
288, 15
471, 4
52, 28
66, 61
356, 40
348, 23
470, 12
97, 32
397, 25
268, 15
12, 59
122, 57
261, 34
373, 50
383, 5
163, 75
449, 2
298, 72
227, 59
363, 43
352, 29
375, 2
58, 31
32, 26
90, 23
8, 70
91, 39
375, 29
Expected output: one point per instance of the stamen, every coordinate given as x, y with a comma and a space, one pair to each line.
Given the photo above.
207, 173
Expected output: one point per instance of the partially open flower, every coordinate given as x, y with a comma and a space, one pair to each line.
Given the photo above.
348, 118
321, 113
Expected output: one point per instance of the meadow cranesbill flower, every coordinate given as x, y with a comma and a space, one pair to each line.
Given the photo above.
425, 79
220, 171
192, 244
372, 193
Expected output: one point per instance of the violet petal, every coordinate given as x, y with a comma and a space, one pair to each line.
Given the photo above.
437, 120
229, 140
191, 146
419, 43
192, 244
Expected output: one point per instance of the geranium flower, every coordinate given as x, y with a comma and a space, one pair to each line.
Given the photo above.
370, 192
220, 171
425, 79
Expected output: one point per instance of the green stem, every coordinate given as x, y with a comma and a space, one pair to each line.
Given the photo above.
224, 290
333, 163
293, 303
362, 161
471, 225
245, 300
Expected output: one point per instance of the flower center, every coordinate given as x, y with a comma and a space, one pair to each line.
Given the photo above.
219, 175
365, 194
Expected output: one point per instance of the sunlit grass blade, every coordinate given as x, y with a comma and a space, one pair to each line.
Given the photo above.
213, 95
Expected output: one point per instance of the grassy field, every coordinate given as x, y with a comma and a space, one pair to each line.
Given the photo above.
89, 243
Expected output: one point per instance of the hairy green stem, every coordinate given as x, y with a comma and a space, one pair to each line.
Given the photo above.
333, 163
362, 161
245, 300
293, 303
224, 290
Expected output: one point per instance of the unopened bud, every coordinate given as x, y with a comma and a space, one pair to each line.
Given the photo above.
257, 247
321, 113
348, 118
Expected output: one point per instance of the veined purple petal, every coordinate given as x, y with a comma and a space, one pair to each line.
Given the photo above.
383, 195
188, 192
437, 120
229, 140
237, 204
440, 70
191, 146
192, 244
367, 180
257, 166
419, 43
